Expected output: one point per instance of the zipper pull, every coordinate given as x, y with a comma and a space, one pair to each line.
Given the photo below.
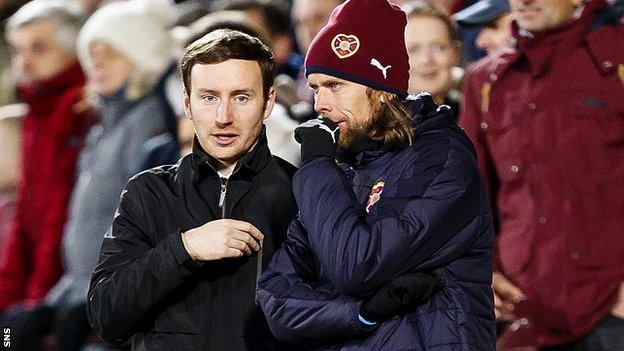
259, 268
223, 191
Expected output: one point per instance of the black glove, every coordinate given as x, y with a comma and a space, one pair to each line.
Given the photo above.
400, 295
318, 137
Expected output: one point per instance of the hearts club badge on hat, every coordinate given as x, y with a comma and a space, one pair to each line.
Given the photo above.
345, 45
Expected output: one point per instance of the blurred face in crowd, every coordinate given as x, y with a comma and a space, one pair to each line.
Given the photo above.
37, 53
343, 102
227, 106
539, 15
10, 133
309, 16
108, 70
495, 35
432, 55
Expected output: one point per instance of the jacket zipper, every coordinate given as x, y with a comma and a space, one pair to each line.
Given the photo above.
224, 182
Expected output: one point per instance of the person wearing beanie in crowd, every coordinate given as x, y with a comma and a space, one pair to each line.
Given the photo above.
550, 149
125, 49
179, 266
42, 35
392, 246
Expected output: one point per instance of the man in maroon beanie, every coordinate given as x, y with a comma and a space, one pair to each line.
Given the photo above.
392, 247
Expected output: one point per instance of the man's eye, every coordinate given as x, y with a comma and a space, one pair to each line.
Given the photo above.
335, 86
209, 98
242, 98
439, 47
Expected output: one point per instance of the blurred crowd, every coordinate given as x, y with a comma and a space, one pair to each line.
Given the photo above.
90, 95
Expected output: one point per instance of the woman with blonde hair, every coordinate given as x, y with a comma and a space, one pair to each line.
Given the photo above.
434, 53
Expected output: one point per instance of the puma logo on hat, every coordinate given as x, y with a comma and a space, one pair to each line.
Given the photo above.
383, 69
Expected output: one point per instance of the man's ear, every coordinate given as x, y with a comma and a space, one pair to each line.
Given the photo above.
268, 106
187, 105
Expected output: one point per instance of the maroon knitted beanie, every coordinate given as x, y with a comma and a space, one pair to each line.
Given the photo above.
363, 42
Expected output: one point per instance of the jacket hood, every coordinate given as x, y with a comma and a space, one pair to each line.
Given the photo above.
364, 150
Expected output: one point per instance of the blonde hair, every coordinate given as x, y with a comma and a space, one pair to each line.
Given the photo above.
391, 122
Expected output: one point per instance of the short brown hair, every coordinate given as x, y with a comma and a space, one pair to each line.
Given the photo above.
226, 44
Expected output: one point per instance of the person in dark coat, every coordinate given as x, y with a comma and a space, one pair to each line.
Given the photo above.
550, 150
179, 266
405, 199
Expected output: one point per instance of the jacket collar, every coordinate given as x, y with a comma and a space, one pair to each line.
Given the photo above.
249, 165
540, 47
42, 95
364, 150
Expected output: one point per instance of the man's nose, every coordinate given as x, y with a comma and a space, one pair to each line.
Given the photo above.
224, 113
322, 101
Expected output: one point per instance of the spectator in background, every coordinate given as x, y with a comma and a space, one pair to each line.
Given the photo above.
11, 117
270, 20
550, 148
495, 19
126, 49
434, 51
7, 81
42, 35
468, 35
308, 17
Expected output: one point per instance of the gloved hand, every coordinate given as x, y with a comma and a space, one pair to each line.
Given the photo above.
318, 137
400, 295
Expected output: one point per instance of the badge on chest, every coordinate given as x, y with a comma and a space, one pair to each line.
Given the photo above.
375, 194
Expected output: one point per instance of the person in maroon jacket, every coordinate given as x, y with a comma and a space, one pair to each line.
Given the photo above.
547, 120
42, 35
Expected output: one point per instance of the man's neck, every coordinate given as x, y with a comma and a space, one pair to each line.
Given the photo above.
226, 170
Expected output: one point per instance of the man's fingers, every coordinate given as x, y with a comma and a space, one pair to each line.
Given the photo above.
506, 290
502, 309
239, 245
245, 238
246, 227
230, 252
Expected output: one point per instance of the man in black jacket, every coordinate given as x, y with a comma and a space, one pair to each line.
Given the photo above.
179, 266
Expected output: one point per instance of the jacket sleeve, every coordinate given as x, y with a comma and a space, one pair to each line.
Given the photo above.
134, 274
429, 222
470, 121
305, 312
